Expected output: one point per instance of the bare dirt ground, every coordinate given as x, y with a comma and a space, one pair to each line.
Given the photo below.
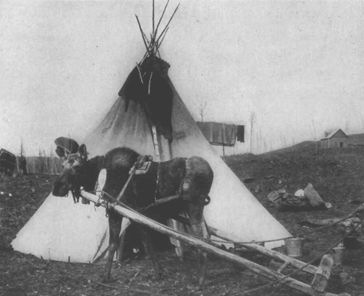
337, 176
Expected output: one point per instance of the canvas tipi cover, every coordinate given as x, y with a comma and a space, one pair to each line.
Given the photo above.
60, 230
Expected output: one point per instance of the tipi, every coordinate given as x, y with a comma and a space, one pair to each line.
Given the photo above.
150, 117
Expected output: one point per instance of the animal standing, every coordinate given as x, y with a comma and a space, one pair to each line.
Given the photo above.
189, 178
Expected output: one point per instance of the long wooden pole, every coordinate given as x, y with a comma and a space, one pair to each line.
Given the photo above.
165, 28
294, 262
274, 254
261, 270
143, 35
160, 19
153, 19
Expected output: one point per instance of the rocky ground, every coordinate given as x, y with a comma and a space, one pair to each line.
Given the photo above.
336, 175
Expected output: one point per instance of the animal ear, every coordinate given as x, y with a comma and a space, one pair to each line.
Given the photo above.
83, 152
69, 145
60, 152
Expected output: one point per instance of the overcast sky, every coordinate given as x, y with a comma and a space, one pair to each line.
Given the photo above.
297, 65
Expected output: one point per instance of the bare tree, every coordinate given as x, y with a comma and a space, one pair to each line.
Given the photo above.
347, 125
22, 152
252, 121
202, 110
313, 129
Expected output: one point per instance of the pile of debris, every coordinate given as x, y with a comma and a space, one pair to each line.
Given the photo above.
302, 199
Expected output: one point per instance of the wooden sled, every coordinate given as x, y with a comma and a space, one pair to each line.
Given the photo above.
321, 274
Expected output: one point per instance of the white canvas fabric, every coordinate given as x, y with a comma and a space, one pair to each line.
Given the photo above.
64, 231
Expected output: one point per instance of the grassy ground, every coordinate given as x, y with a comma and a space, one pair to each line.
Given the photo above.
337, 176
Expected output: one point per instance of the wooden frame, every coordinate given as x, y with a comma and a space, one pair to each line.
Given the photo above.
206, 246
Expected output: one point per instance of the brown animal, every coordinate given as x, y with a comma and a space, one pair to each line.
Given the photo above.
190, 178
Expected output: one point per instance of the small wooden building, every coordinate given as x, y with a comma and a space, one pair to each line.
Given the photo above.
356, 140
7, 162
336, 139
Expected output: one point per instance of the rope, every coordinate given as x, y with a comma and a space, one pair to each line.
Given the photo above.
334, 223
157, 182
240, 243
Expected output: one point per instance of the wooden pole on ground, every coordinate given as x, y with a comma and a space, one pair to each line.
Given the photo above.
271, 253
294, 262
198, 243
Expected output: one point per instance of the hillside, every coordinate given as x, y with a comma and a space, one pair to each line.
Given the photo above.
336, 174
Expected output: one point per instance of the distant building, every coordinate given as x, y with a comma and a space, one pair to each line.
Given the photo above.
339, 139
7, 162
336, 139
356, 140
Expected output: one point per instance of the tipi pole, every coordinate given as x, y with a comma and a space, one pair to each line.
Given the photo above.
155, 32
153, 18
156, 144
200, 244
165, 28
143, 35
176, 225
158, 152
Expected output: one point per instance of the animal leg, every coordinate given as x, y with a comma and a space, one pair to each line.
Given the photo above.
175, 242
122, 239
199, 229
114, 230
149, 250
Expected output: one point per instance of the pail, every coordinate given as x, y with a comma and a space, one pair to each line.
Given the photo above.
338, 254
294, 246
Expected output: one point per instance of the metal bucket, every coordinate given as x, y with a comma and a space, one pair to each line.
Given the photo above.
294, 246
338, 254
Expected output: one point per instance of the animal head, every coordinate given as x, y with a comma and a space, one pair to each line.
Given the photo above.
74, 174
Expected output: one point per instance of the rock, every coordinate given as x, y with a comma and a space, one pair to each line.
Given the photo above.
313, 196
328, 205
275, 195
299, 193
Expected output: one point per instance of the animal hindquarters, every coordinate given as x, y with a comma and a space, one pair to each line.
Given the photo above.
197, 182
